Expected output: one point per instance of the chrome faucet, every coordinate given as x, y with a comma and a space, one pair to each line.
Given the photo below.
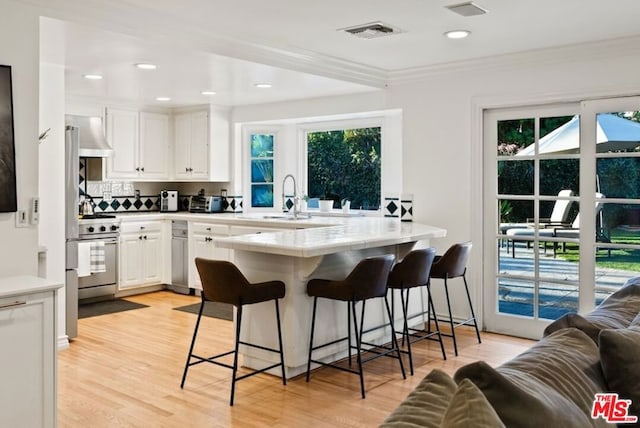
295, 195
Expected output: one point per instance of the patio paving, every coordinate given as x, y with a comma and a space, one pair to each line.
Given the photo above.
555, 298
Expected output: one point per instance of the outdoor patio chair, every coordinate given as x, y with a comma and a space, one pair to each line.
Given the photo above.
559, 218
573, 232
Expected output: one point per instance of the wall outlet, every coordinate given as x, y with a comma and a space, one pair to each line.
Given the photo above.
22, 219
35, 210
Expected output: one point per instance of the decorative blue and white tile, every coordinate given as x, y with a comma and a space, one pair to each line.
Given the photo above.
391, 207
406, 207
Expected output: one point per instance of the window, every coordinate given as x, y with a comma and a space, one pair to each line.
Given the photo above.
262, 170
345, 164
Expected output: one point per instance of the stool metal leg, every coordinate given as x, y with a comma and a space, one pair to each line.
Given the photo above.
405, 327
349, 332
473, 315
235, 354
431, 307
453, 331
284, 379
394, 340
359, 342
193, 342
313, 326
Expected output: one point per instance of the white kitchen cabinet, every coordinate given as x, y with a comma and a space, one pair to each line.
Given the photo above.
122, 134
154, 146
141, 254
201, 145
140, 141
28, 356
201, 245
191, 155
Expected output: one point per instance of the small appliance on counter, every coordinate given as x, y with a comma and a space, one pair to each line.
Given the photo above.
169, 200
205, 204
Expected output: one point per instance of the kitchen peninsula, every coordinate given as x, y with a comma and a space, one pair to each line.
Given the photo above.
268, 246
295, 256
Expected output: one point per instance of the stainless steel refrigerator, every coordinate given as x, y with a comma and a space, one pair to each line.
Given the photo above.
72, 162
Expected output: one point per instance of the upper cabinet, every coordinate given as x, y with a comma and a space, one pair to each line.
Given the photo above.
191, 150
201, 145
140, 141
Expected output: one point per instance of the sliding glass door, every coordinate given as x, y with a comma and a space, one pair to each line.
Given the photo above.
561, 210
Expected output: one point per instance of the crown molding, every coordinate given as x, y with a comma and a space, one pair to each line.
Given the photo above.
604, 49
150, 25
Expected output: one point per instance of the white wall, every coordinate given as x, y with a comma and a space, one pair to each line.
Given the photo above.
51, 162
19, 48
441, 139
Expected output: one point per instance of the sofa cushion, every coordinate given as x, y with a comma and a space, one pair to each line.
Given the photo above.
620, 359
426, 404
469, 407
551, 384
616, 311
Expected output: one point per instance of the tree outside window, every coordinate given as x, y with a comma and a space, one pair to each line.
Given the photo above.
345, 164
261, 170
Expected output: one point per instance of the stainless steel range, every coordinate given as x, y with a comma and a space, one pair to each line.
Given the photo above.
98, 234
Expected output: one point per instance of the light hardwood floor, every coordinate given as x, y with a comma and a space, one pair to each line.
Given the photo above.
124, 370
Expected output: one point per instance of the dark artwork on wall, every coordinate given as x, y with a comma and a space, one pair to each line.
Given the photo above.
7, 145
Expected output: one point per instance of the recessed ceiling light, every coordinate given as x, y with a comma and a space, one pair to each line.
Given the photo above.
263, 85
146, 66
93, 76
208, 92
457, 34
163, 99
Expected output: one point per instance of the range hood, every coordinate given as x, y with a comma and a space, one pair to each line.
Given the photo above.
93, 143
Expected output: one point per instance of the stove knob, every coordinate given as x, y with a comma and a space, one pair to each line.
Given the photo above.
103, 228
91, 229
114, 228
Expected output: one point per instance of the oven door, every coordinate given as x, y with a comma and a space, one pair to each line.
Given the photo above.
102, 283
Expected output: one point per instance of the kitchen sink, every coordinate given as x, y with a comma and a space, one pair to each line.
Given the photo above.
285, 217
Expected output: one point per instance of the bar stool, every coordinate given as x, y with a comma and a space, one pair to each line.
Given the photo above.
453, 264
413, 272
366, 281
223, 282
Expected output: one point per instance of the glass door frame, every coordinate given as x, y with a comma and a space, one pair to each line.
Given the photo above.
588, 111
493, 319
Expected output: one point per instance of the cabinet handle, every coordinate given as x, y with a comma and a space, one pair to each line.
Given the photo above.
145, 237
13, 304
142, 169
138, 169
186, 170
209, 229
140, 237
141, 227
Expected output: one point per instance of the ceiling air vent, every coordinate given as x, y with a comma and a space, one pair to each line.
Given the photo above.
467, 9
371, 30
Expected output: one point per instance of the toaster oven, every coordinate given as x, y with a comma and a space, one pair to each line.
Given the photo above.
205, 204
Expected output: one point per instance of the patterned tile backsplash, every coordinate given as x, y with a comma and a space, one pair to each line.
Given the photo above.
117, 197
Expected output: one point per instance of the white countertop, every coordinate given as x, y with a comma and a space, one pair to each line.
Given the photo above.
308, 237
26, 284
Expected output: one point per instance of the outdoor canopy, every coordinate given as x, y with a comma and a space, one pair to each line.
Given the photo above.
614, 133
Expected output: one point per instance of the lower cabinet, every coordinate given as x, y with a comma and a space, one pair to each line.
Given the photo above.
201, 245
141, 254
28, 356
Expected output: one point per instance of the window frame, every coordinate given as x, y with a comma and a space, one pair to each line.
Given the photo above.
338, 125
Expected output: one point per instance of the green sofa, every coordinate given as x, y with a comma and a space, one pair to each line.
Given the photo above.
552, 384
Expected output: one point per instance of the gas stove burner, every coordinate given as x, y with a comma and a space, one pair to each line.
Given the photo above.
94, 216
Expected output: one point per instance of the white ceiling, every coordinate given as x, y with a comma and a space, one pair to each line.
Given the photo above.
192, 42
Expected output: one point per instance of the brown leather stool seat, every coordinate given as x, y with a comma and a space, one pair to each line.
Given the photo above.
453, 264
223, 282
366, 281
413, 272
